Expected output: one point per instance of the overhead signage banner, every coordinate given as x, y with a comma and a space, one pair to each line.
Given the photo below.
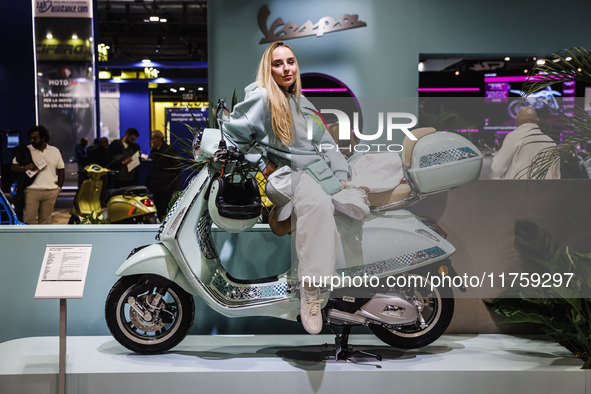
63, 8
66, 89
66, 102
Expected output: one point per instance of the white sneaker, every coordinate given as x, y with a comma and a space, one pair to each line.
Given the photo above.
353, 202
310, 312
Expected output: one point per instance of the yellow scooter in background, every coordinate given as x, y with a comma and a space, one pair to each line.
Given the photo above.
128, 205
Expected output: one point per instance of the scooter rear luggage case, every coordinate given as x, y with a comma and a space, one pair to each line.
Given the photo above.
443, 160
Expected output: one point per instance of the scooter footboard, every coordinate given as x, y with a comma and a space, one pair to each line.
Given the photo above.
154, 259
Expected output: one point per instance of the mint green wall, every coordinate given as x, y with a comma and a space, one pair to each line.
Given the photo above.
349, 55
21, 253
502, 27
380, 60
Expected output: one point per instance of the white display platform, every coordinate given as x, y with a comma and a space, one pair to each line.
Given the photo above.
286, 364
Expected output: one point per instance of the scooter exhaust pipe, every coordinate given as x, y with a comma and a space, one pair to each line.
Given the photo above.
335, 316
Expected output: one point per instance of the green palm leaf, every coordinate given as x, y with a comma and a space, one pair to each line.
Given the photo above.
567, 65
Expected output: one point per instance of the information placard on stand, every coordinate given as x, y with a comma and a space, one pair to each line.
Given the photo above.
62, 276
63, 272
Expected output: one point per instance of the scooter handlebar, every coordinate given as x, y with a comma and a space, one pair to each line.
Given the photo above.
228, 155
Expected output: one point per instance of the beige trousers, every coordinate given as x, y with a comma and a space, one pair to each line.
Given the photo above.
39, 204
316, 237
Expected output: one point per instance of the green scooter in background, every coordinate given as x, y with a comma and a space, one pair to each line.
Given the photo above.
128, 205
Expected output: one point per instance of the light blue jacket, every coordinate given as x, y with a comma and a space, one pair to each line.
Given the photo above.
250, 124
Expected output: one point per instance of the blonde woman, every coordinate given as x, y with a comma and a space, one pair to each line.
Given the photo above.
272, 115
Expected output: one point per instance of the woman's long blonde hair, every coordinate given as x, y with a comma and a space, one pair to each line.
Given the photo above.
277, 99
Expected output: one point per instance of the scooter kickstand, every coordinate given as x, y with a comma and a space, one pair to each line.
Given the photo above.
345, 352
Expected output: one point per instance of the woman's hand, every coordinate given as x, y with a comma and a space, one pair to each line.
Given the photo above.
271, 168
344, 183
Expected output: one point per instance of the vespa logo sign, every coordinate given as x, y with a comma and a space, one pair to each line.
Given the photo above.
280, 30
394, 121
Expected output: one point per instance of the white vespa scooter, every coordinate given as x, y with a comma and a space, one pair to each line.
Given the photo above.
151, 308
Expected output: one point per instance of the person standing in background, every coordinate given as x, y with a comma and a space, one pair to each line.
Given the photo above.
98, 153
164, 176
521, 146
81, 157
123, 153
44, 165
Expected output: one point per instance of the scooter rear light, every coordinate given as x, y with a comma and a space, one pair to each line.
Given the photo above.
147, 202
435, 227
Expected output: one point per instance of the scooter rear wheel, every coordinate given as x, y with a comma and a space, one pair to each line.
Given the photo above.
167, 328
437, 308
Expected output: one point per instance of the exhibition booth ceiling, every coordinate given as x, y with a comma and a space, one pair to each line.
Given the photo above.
172, 34
160, 30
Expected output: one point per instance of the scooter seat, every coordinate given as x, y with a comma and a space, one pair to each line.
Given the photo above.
389, 198
408, 144
127, 191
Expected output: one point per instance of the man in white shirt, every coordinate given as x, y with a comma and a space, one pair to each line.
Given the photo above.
521, 146
46, 169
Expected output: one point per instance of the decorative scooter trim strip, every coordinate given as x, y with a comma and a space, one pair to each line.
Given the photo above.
204, 237
448, 156
232, 292
393, 264
173, 209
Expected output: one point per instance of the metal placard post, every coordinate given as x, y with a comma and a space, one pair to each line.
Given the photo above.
62, 276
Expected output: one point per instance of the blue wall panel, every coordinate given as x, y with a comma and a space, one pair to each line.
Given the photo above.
134, 111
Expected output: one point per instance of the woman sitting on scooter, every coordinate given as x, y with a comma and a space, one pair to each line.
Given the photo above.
272, 115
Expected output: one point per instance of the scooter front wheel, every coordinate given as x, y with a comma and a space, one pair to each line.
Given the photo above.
169, 324
437, 308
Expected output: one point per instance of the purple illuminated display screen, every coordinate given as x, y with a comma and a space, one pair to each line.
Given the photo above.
484, 106
503, 97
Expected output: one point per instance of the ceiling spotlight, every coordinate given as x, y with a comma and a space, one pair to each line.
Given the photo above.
457, 73
49, 36
525, 70
568, 58
182, 89
154, 19
540, 62
507, 58
200, 88
146, 61
163, 20
74, 36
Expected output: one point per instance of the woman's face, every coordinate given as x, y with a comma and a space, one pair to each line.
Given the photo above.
284, 67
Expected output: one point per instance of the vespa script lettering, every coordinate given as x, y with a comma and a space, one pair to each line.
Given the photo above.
291, 30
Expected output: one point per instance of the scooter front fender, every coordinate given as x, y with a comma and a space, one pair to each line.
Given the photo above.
155, 259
